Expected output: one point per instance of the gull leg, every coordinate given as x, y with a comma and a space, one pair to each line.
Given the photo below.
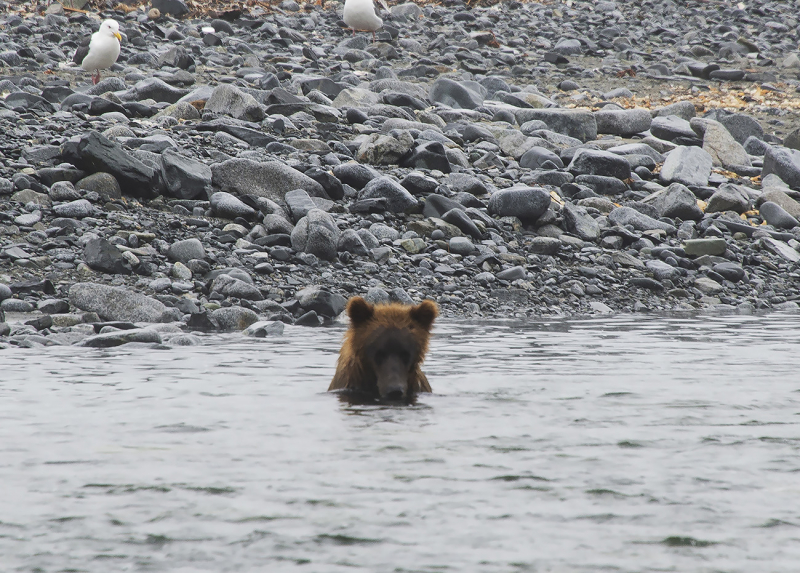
373, 37
354, 31
96, 77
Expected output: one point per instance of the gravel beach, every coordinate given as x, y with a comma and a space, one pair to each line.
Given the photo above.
250, 168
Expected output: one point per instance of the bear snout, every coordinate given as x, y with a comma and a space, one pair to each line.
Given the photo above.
392, 378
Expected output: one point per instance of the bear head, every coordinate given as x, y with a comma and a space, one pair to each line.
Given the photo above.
384, 348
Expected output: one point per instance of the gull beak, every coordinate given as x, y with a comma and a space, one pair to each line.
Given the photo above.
118, 36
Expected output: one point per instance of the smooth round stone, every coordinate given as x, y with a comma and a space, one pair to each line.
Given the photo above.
74, 209
16, 305
461, 246
730, 271
777, 216
5, 292
28, 219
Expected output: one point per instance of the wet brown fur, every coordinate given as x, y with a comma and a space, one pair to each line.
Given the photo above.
351, 373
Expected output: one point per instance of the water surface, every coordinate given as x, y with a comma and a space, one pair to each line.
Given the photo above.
630, 443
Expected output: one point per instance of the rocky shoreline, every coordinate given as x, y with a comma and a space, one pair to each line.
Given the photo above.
507, 161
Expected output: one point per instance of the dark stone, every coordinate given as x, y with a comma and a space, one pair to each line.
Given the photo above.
94, 152
103, 256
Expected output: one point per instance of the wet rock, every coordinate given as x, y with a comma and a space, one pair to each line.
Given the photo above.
233, 318
120, 337
321, 301
316, 233
116, 303
264, 328
230, 286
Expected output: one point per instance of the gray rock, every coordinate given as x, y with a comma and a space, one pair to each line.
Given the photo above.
776, 216
227, 206
74, 209
461, 220
465, 183
714, 246
783, 162
578, 221
725, 151
227, 99
455, 94
671, 127
93, 152
462, 246
741, 126
398, 199
350, 241
597, 162
512, 274
104, 184
728, 198
230, 286
316, 233
321, 301
277, 224
270, 179
5, 292
526, 203
299, 203
116, 303
577, 123
545, 246
233, 318
687, 165
682, 109
625, 122
63, 191
730, 271
377, 295
781, 198
103, 256
676, 201
537, 155
264, 328
186, 250
53, 306
185, 178
382, 149
662, 270
627, 216
568, 47
120, 337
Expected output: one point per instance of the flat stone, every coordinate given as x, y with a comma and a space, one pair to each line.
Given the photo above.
116, 303
714, 246
687, 165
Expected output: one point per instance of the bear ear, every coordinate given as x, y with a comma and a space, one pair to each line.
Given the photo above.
359, 310
425, 313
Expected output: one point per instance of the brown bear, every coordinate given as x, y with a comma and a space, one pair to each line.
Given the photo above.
383, 350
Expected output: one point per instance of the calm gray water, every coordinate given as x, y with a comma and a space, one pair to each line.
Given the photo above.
619, 444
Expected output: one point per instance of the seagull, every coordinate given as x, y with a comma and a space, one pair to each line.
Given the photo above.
100, 51
360, 15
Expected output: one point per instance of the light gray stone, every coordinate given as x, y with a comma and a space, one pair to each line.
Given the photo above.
116, 303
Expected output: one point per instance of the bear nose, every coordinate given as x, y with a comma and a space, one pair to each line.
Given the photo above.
395, 394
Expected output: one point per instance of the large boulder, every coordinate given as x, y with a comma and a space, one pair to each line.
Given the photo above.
398, 199
687, 165
783, 162
94, 152
185, 178
227, 99
455, 94
316, 233
625, 122
270, 179
116, 303
525, 203
578, 123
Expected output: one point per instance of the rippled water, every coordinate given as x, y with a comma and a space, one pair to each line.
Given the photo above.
624, 444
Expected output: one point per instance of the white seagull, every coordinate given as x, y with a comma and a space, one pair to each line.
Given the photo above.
101, 50
360, 16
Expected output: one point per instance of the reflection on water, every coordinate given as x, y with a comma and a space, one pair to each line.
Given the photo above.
624, 444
